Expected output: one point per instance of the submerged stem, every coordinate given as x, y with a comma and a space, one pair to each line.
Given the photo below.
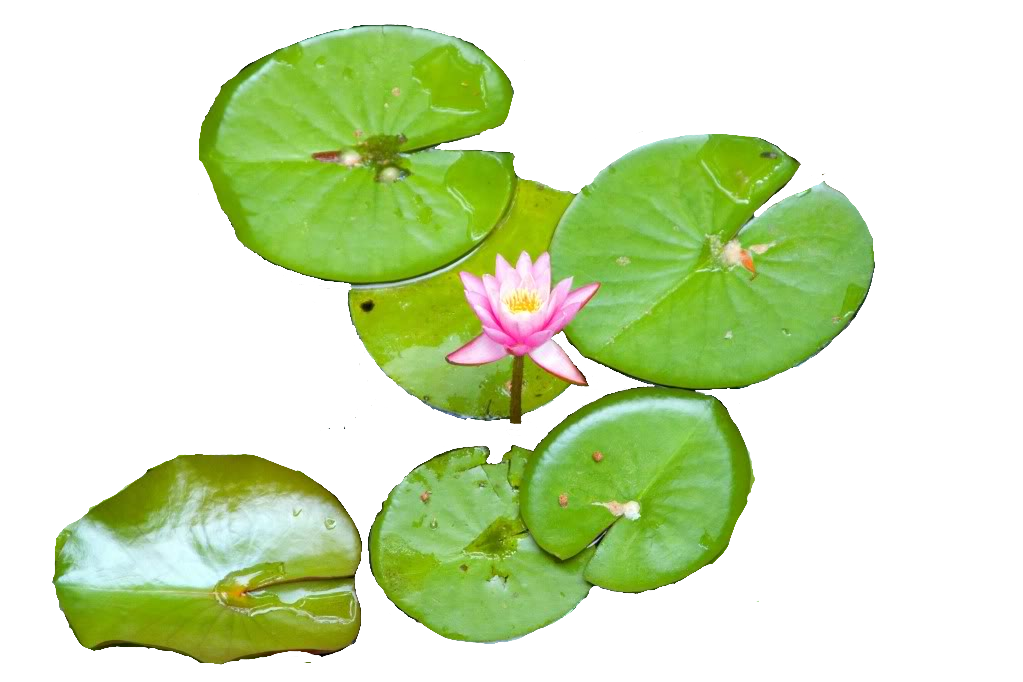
516, 389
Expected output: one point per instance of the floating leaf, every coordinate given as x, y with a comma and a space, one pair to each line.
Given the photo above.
312, 153
663, 471
988, 645
936, 14
410, 328
84, 125
40, 504
962, 298
218, 558
284, 7
7, 246
449, 549
995, 27
89, 23
885, 593
694, 293
275, 670
39, 645
123, 350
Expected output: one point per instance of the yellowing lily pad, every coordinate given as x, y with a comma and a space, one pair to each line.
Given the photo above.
312, 151
880, 593
995, 27
122, 348
409, 328
659, 476
449, 549
277, 670
988, 646
85, 125
90, 23
962, 299
38, 644
218, 558
695, 291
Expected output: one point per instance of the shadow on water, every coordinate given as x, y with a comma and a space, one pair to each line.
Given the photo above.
914, 125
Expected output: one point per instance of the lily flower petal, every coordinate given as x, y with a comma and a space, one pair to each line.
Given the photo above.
479, 351
552, 358
542, 273
472, 283
504, 271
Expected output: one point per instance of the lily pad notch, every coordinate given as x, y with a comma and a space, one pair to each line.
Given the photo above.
322, 154
696, 290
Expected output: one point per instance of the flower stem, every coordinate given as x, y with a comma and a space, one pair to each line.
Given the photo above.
516, 389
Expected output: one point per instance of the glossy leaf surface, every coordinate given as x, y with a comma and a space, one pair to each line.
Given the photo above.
410, 328
894, 606
218, 558
962, 297
674, 454
277, 670
85, 125
667, 231
449, 549
996, 26
124, 350
40, 504
39, 645
300, 145
937, 14
90, 23
988, 645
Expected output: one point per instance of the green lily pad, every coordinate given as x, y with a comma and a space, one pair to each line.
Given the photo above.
988, 645
995, 27
85, 125
89, 23
937, 14
121, 349
41, 504
276, 411
962, 299
7, 246
666, 230
275, 670
660, 475
890, 564
449, 549
217, 558
284, 7
410, 328
38, 644
312, 153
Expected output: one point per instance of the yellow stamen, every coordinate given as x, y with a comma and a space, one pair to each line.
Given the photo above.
522, 301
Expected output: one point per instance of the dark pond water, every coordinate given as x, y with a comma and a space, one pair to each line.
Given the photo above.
914, 125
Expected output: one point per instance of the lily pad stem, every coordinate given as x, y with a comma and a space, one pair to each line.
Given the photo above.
516, 389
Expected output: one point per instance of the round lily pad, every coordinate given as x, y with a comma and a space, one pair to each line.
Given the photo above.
962, 299
995, 27
7, 246
937, 14
40, 504
218, 558
449, 549
694, 292
658, 475
276, 669
410, 328
988, 645
89, 23
312, 153
85, 125
881, 597
38, 644
122, 349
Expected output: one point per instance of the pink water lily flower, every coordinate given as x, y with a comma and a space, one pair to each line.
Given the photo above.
520, 313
